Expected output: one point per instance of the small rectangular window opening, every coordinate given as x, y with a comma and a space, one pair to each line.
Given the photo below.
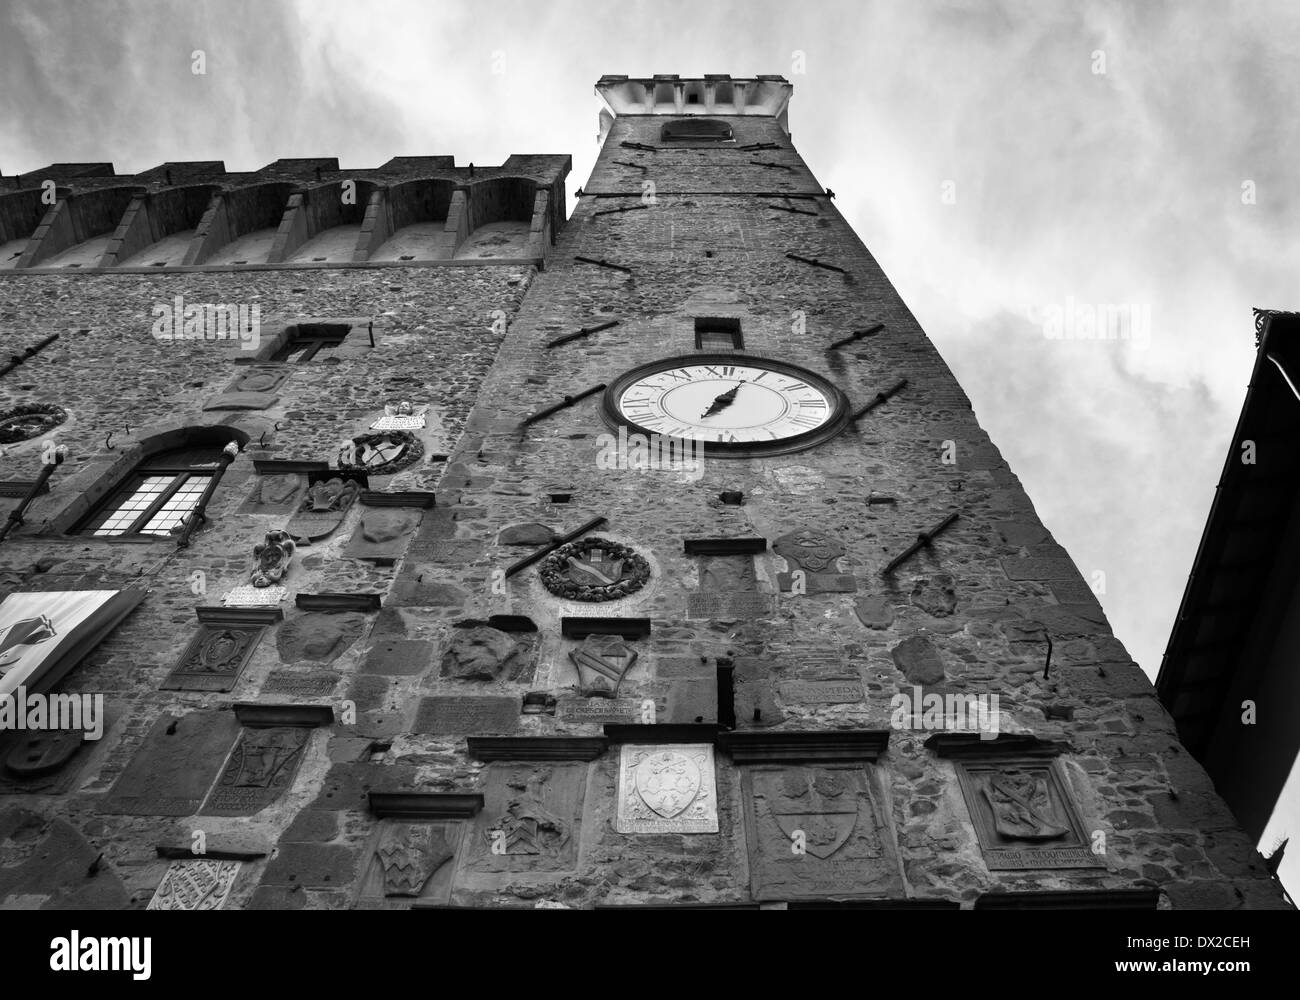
312, 342
726, 687
718, 334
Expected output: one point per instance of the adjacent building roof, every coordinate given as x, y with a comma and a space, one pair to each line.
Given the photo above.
1230, 643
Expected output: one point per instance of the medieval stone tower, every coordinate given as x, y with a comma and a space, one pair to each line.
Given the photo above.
424, 548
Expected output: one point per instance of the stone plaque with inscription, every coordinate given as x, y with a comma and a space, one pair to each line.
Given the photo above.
1023, 815
817, 831
195, 885
248, 596
301, 683
599, 711
261, 767
467, 714
821, 692
399, 423
667, 789
812, 659
739, 605
403, 416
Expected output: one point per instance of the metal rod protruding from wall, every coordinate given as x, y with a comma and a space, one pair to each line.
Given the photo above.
586, 331
528, 560
18, 359
922, 541
897, 387
563, 404
47, 470
199, 513
814, 262
857, 335
603, 263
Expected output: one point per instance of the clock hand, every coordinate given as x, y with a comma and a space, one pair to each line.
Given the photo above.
723, 401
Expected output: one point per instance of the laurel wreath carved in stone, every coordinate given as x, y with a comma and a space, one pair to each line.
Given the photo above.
556, 568
29, 420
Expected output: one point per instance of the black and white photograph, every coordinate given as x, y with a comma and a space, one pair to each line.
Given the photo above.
464, 458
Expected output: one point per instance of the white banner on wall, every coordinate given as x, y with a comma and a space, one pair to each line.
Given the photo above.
42, 635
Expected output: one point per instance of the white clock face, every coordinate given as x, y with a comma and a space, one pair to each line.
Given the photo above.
726, 402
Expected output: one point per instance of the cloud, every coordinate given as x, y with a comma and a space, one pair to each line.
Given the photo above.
104, 81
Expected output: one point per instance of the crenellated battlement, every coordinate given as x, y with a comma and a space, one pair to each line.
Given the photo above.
292, 212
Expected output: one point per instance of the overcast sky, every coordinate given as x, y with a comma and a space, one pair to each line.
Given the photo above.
998, 159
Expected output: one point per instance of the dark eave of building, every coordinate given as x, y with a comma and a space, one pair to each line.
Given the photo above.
1243, 573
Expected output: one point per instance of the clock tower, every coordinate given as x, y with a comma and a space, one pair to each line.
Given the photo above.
828, 646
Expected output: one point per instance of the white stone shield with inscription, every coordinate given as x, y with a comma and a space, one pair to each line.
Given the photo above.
667, 789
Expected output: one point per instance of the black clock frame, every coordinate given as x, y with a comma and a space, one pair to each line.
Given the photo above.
836, 422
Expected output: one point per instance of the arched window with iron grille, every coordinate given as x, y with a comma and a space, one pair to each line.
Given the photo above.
159, 493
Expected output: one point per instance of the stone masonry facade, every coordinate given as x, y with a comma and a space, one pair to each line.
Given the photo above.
432, 733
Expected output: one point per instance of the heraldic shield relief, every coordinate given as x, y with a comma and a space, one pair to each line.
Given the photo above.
531, 819
1024, 816
409, 854
815, 830
823, 805
195, 885
260, 767
667, 789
